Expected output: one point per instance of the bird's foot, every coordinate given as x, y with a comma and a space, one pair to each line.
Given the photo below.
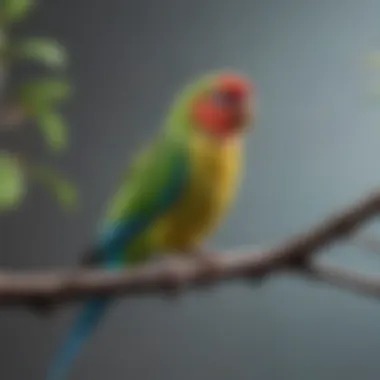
174, 284
208, 260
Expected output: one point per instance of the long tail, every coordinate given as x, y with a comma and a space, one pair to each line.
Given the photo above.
85, 323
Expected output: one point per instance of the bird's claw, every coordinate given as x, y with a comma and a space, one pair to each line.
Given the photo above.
174, 283
209, 262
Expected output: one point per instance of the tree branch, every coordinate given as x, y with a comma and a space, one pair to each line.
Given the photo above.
28, 288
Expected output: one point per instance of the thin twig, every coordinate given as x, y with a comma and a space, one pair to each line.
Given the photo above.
11, 117
343, 278
366, 241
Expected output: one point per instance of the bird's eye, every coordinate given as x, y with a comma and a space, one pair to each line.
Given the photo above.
221, 98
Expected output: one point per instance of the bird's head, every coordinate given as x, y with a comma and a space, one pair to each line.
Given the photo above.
224, 106
219, 104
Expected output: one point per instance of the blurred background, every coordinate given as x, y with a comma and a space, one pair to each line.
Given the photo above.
314, 150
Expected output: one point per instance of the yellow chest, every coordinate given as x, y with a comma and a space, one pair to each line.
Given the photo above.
214, 170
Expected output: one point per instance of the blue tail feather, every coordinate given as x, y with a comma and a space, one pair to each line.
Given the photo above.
85, 323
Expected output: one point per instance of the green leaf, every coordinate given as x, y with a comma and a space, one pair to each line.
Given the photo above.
43, 50
53, 129
15, 10
61, 188
38, 95
12, 182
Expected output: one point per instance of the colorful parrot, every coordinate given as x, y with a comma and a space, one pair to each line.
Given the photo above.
176, 191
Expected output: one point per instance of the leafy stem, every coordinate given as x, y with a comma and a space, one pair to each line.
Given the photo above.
36, 103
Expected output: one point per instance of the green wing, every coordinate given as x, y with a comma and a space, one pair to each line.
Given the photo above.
150, 187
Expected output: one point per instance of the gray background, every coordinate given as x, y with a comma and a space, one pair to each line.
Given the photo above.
315, 149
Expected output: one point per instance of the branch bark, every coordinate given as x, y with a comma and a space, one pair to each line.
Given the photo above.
294, 254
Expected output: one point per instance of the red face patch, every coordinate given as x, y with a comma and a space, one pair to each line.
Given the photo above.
223, 110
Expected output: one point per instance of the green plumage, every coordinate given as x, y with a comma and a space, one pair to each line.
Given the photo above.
151, 168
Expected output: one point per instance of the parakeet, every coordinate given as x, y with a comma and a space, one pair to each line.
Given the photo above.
175, 192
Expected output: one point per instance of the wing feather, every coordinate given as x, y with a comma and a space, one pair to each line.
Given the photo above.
150, 187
